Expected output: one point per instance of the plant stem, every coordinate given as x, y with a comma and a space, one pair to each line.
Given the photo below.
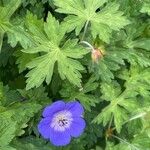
88, 44
110, 121
133, 118
125, 142
85, 29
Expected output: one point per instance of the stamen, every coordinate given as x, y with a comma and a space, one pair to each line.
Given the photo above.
62, 120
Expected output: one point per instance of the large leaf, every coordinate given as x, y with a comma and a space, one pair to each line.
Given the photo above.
102, 22
48, 41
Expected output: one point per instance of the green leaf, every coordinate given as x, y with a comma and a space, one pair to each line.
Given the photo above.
7, 148
81, 12
82, 94
31, 143
146, 7
37, 94
127, 46
110, 89
123, 103
48, 41
124, 146
19, 34
12, 107
10, 8
142, 43
120, 115
23, 60
132, 47
137, 80
25, 111
140, 142
114, 57
5, 14
8, 96
112, 60
7, 130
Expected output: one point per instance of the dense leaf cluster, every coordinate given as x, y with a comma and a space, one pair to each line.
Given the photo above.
93, 51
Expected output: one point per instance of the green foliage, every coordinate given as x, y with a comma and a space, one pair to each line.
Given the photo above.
73, 93
7, 130
140, 142
146, 7
30, 143
11, 123
23, 60
47, 53
82, 12
48, 39
134, 50
122, 103
5, 13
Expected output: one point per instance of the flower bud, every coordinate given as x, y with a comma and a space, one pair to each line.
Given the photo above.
96, 55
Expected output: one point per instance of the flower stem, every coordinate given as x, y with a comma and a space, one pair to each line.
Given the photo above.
88, 44
85, 29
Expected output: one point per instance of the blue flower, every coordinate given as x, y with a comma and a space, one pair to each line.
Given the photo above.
61, 122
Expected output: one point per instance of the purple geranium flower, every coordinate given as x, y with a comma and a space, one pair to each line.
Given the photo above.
61, 122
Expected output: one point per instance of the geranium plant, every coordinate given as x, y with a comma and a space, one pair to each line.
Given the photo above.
74, 74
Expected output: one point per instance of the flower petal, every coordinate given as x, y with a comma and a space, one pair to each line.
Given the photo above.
44, 127
75, 108
50, 110
77, 127
60, 138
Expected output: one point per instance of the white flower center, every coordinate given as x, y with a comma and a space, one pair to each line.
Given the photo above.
61, 120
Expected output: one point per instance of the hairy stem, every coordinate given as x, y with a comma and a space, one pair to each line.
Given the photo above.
110, 123
88, 44
85, 29
125, 142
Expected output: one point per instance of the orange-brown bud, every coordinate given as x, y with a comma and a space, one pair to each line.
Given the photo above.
96, 55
